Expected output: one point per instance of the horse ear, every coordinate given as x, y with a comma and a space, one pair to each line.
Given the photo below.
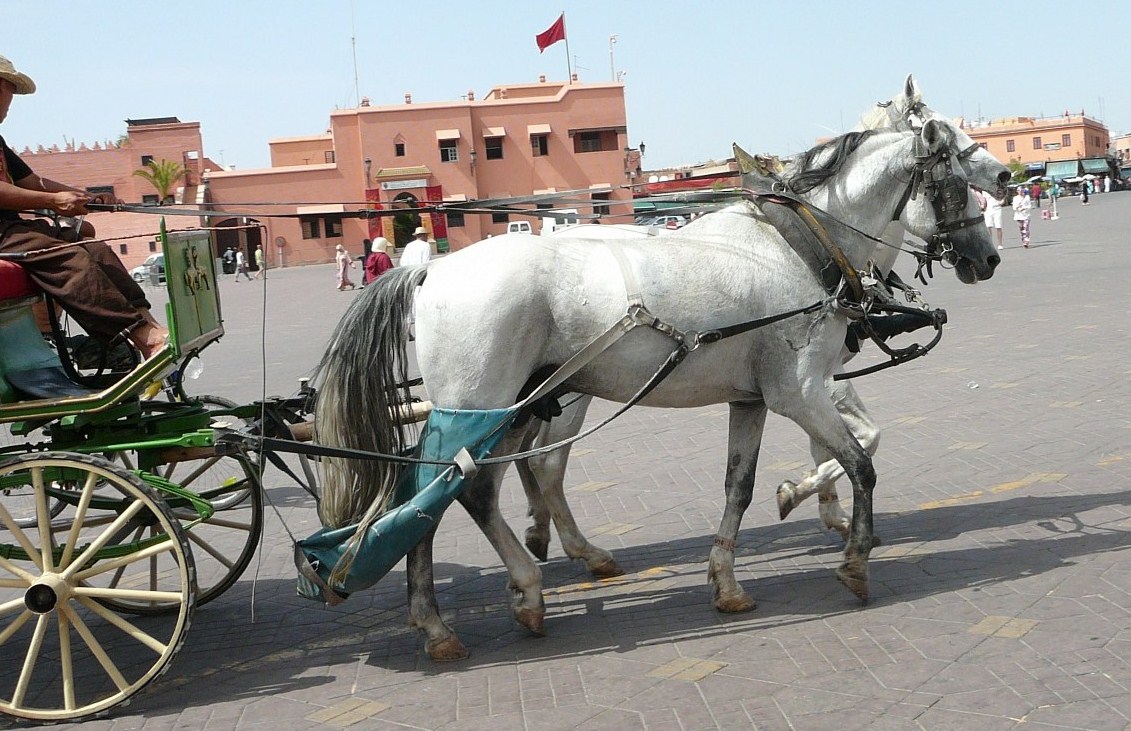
746, 162
936, 135
911, 90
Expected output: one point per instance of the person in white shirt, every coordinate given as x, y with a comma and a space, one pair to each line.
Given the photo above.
991, 212
418, 251
1022, 205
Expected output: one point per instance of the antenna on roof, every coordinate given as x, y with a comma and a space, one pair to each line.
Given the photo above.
353, 45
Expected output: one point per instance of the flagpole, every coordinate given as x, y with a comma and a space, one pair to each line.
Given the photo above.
569, 69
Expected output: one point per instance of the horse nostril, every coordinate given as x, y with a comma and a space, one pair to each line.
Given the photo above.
993, 261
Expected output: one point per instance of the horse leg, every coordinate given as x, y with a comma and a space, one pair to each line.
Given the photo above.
747, 421
441, 642
537, 536
548, 472
481, 500
814, 412
822, 480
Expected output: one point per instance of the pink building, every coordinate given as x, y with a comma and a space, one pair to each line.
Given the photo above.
109, 167
518, 140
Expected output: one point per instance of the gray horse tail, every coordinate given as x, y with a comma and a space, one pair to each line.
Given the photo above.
360, 382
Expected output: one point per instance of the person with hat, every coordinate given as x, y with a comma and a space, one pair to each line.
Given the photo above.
342, 258
86, 277
378, 261
418, 251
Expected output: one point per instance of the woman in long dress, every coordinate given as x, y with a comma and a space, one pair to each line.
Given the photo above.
344, 265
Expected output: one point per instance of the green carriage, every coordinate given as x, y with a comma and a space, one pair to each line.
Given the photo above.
119, 513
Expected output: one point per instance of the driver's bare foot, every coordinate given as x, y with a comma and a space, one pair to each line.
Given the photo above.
149, 339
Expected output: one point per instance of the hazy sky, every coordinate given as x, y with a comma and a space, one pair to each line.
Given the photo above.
772, 76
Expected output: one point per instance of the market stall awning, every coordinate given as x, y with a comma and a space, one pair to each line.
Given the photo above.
1096, 165
1062, 169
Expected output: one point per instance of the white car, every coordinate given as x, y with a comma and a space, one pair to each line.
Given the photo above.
140, 273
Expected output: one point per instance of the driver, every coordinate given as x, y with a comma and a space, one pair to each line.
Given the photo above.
88, 280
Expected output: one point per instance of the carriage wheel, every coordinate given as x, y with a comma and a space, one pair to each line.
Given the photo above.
20, 499
67, 653
214, 403
224, 544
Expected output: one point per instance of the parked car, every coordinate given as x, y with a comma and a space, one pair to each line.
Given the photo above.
519, 227
669, 221
141, 273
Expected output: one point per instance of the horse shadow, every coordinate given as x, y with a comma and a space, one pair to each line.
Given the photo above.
235, 654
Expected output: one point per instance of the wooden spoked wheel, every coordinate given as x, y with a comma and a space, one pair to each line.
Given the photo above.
222, 545
67, 653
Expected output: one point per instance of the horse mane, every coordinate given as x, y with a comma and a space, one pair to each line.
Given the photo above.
814, 166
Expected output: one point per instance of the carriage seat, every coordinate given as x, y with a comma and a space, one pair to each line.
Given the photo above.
28, 367
14, 282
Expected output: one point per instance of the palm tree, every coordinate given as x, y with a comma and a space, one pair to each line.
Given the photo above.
162, 175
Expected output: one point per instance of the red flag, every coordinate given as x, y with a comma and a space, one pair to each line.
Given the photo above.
551, 35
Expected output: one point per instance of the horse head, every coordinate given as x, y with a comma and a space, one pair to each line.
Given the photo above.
937, 205
907, 111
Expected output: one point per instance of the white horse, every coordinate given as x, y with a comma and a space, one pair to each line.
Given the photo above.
543, 476
492, 318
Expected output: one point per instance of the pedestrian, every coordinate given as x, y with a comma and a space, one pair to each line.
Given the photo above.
378, 262
1035, 194
1054, 193
88, 280
342, 258
241, 266
229, 258
991, 212
1022, 206
1084, 192
260, 263
1107, 183
418, 251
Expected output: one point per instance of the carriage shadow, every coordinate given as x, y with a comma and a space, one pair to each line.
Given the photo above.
787, 567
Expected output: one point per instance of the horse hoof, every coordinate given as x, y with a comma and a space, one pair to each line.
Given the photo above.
735, 604
785, 499
446, 650
538, 546
607, 569
534, 620
855, 581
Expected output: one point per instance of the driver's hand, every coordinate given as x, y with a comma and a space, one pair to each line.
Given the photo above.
70, 203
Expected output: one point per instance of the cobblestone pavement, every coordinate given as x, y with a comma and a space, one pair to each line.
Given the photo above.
999, 596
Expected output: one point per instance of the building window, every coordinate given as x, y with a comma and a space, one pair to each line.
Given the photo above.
494, 148
448, 151
1036, 143
311, 227
146, 159
601, 209
153, 245
333, 226
398, 149
455, 220
1009, 146
329, 156
588, 142
500, 217
540, 145
123, 249
149, 200
1066, 140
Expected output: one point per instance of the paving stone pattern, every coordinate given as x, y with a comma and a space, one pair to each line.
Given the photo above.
999, 597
